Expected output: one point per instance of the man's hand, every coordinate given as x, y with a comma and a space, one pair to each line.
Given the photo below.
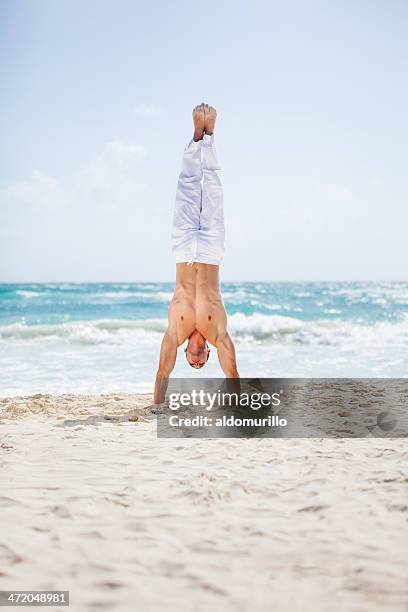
168, 353
226, 355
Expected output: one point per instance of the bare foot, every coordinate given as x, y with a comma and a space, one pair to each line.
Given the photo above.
210, 115
198, 120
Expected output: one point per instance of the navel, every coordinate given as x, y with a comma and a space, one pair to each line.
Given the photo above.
182, 318
209, 317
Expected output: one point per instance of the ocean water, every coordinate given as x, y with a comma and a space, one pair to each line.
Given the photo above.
105, 337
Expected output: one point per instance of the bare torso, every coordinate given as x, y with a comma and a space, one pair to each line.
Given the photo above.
197, 303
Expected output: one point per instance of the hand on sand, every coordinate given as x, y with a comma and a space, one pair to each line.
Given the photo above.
158, 408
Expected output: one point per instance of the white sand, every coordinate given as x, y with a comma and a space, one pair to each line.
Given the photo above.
126, 521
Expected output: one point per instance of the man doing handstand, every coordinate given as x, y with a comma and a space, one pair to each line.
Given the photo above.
197, 311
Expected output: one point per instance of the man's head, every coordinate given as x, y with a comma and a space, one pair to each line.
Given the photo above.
197, 351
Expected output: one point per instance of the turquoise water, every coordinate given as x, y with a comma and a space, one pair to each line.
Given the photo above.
62, 337
58, 303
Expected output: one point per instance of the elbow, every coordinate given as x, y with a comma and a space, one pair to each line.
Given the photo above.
162, 373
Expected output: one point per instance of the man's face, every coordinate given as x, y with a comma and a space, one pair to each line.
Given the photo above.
198, 357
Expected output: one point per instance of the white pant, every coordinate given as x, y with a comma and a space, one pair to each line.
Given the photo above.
198, 224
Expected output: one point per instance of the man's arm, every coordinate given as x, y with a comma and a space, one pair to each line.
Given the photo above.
168, 353
226, 355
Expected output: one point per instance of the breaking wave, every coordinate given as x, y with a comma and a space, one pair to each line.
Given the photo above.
258, 328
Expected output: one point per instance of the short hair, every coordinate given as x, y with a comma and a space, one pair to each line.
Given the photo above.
208, 356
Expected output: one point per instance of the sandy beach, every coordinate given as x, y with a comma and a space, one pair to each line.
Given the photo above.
101, 507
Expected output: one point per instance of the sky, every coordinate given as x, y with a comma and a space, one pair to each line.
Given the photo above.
312, 136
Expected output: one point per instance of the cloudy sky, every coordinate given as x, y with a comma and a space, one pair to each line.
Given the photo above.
312, 136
